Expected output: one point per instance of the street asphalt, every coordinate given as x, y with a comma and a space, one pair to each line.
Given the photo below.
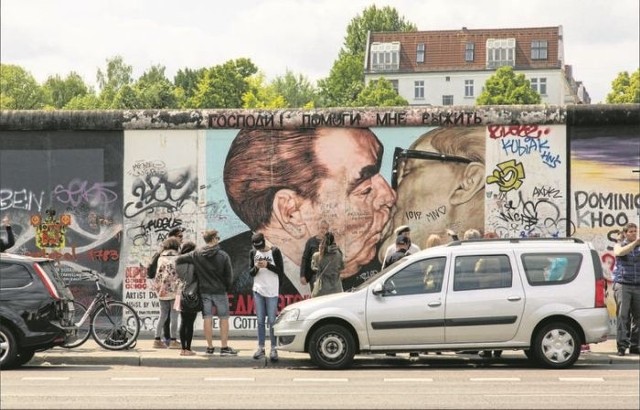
143, 354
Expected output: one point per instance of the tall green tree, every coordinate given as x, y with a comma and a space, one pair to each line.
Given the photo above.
186, 83
346, 78
60, 90
379, 93
625, 88
19, 90
505, 87
297, 91
116, 75
261, 95
223, 86
154, 90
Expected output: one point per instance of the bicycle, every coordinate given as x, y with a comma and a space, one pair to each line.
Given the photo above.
108, 321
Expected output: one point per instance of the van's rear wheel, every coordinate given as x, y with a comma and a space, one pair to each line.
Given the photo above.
556, 346
332, 347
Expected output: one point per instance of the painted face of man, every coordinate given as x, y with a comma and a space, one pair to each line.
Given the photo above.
354, 198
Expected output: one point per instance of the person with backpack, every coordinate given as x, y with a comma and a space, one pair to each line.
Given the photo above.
190, 301
266, 268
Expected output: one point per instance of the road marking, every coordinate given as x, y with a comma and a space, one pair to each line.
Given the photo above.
135, 378
319, 379
408, 379
495, 379
45, 378
230, 379
581, 379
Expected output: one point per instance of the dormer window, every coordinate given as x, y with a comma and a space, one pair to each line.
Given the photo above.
385, 56
501, 52
539, 50
420, 53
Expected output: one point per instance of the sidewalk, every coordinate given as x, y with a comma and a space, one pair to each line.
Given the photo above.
143, 354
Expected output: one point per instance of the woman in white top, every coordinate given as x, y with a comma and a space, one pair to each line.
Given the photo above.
266, 269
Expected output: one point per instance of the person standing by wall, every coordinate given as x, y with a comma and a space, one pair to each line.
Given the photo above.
330, 261
166, 285
627, 290
307, 274
189, 282
405, 231
212, 266
266, 268
11, 240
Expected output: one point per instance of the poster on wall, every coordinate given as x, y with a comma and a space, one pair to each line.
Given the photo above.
526, 181
605, 181
61, 192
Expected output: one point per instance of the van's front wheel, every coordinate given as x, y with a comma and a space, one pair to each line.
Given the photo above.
332, 347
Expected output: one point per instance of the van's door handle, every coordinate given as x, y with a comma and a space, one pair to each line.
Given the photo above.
435, 304
513, 298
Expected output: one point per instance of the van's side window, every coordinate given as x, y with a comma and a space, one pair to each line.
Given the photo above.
482, 272
551, 268
13, 276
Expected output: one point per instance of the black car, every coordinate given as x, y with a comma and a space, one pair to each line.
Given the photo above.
36, 308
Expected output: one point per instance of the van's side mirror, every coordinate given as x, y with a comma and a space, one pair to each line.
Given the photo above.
378, 289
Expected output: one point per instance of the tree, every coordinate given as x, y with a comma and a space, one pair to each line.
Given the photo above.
185, 84
223, 86
625, 89
297, 91
110, 81
154, 90
346, 78
60, 91
88, 101
19, 90
373, 19
261, 95
505, 87
379, 93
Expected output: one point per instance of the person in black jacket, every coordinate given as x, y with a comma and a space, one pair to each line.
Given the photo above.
11, 240
189, 281
402, 250
212, 266
307, 274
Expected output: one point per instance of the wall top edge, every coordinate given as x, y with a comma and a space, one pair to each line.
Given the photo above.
453, 116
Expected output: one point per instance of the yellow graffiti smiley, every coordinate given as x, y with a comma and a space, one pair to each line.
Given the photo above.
509, 176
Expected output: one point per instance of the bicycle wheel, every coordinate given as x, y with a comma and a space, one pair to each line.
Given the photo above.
111, 327
84, 329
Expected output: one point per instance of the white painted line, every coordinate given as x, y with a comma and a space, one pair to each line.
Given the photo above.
408, 379
581, 379
495, 379
135, 378
230, 379
319, 379
45, 378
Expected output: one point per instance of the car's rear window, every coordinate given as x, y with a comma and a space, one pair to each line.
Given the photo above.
551, 268
54, 273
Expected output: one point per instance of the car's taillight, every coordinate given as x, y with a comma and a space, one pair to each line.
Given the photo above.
599, 299
51, 288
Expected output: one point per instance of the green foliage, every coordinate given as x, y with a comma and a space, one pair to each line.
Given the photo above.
346, 79
186, 83
19, 90
260, 95
625, 88
345, 82
83, 102
379, 93
297, 91
154, 90
59, 92
373, 19
506, 87
223, 86
116, 76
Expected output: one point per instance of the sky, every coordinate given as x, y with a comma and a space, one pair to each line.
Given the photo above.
49, 37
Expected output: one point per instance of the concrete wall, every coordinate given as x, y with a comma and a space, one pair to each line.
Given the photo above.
118, 181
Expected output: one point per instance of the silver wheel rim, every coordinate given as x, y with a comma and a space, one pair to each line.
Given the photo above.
4, 346
558, 346
332, 347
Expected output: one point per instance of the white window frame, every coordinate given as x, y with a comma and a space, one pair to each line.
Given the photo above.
469, 52
501, 52
385, 56
539, 85
468, 88
420, 52
447, 98
418, 89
